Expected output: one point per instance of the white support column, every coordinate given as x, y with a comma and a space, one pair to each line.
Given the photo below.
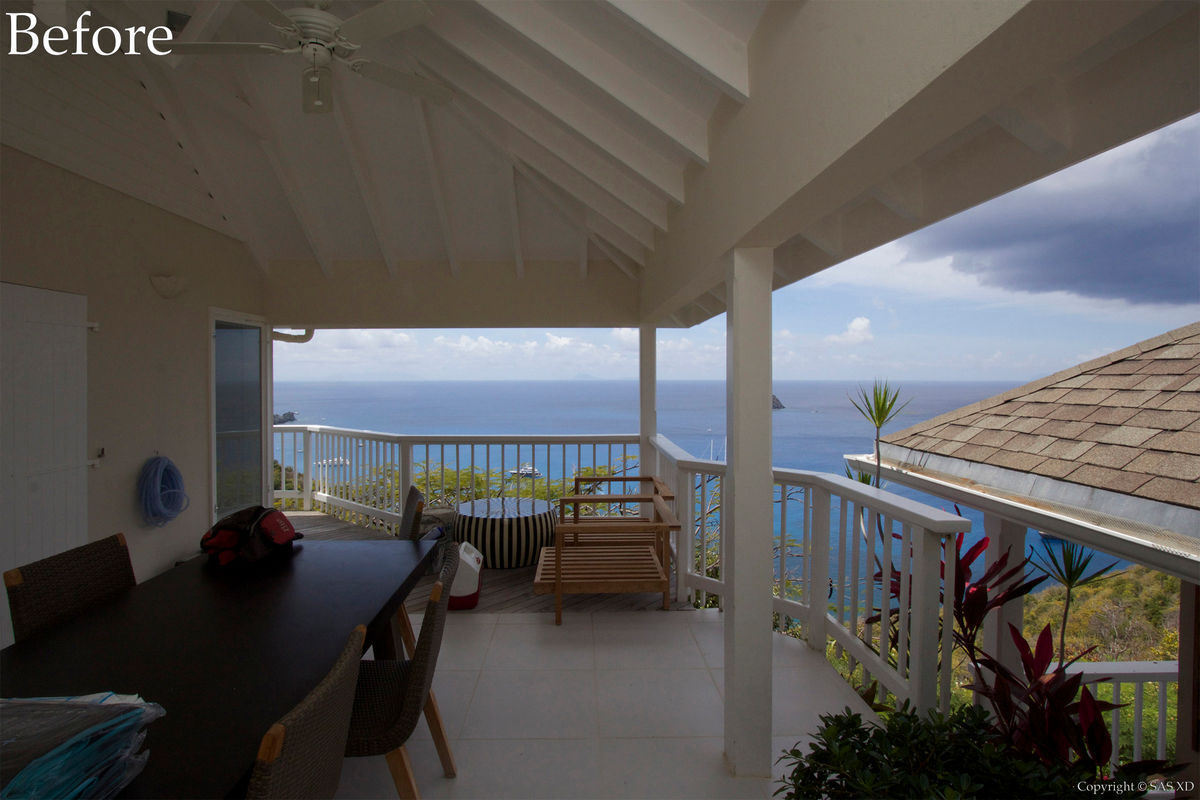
1187, 731
747, 513
1004, 536
647, 394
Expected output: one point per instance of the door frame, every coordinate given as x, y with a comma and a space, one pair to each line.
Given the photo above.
266, 420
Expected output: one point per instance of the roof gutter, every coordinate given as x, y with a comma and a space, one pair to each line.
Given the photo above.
294, 338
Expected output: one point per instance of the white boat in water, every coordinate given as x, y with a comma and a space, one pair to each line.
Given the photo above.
526, 470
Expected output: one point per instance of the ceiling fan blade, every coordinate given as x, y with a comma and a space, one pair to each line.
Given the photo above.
271, 13
383, 20
226, 48
430, 90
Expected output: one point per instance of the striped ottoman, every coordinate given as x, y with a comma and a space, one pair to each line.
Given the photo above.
508, 531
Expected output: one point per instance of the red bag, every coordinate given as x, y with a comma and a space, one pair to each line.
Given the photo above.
248, 536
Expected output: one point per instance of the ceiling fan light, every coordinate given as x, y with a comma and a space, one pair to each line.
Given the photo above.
318, 90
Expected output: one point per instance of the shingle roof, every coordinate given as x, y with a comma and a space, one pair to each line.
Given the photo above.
1128, 422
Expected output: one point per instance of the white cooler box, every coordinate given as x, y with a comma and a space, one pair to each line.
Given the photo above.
464, 592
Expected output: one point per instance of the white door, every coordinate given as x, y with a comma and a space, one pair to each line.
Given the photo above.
43, 427
240, 392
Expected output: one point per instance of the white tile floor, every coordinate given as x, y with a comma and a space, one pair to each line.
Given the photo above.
609, 705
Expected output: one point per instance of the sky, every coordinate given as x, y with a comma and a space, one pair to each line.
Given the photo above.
1089, 260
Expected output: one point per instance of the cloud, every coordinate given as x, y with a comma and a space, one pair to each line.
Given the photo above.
857, 332
1124, 225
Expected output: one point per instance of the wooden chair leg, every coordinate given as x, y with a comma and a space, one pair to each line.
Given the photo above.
402, 774
433, 715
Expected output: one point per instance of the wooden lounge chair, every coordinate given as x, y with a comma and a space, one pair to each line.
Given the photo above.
609, 554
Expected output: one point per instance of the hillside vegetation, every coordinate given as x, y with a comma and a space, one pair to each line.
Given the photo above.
1131, 615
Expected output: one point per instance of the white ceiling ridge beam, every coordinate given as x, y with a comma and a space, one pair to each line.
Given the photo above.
613, 176
606, 71
437, 183
514, 217
360, 165
562, 173
548, 93
713, 52
285, 173
619, 259
202, 27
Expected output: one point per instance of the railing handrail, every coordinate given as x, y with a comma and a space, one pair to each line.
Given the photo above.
684, 460
1127, 671
494, 438
913, 512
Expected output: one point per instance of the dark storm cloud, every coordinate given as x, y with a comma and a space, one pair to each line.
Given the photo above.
1124, 225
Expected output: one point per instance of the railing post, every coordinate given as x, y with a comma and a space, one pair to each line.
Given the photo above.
818, 568
685, 512
1004, 536
923, 633
306, 501
406, 468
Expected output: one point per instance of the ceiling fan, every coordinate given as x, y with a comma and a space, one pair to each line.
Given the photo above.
321, 38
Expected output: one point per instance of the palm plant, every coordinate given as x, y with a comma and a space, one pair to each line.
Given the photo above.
879, 407
1068, 564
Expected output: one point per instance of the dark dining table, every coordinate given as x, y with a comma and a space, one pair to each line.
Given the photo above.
225, 652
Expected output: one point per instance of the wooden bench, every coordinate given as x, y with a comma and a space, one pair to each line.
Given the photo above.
609, 554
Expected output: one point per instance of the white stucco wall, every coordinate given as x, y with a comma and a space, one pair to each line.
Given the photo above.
148, 364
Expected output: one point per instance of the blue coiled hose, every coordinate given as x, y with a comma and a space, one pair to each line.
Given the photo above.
160, 488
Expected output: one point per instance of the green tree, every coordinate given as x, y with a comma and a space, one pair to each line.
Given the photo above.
879, 407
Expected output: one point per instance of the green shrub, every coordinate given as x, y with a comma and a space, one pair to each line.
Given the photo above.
934, 756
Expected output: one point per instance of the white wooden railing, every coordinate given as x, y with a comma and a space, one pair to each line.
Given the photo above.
363, 476
834, 538
1113, 675
845, 551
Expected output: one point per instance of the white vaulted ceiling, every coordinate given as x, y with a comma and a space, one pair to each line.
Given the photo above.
567, 140
598, 160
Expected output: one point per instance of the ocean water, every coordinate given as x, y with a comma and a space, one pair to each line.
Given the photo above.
816, 428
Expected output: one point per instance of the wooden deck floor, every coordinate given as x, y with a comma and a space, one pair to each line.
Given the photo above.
504, 591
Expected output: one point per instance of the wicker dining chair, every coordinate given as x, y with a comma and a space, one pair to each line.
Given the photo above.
410, 517
50, 591
392, 694
301, 755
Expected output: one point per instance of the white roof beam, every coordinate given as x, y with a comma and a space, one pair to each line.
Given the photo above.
453, 26
208, 164
713, 52
285, 173
514, 211
437, 183
360, 165
570, 208
903, 193
607, 71
522, 148
619, 259
469, 80
204, 23
603, 226
583, 255
225, 99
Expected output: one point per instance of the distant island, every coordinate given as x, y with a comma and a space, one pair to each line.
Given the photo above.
775, 404
285, 417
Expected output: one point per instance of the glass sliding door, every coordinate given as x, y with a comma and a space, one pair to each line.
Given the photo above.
238, 414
